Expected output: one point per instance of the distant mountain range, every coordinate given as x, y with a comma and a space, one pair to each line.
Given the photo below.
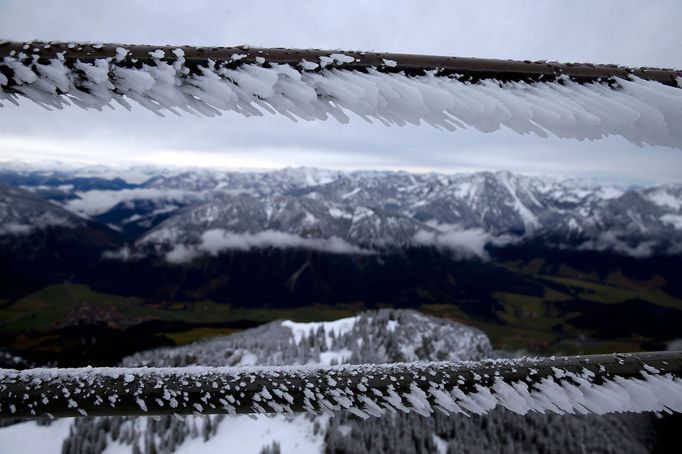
180, 215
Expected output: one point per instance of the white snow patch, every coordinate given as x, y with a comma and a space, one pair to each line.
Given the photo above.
338, 214
441, 445
31, 438
324, 61
529, 220
336, 356
121, 53
342, 58
241, 434
338, 327
351, 193
158, 53
308, 66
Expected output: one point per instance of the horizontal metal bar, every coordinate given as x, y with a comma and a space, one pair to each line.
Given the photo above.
473, 69
363, 390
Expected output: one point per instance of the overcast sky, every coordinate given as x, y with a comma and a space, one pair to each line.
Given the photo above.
628, 32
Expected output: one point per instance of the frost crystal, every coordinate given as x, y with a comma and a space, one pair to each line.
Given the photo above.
644, 112
562, 385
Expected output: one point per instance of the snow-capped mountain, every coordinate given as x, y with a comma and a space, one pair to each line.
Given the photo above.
250, 182
384, 209
211, 210
22, 212
40, 241
302, 217
372, 337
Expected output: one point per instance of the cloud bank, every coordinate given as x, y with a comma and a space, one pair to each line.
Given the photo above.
464, 242
92, 203
610, 242
215, 241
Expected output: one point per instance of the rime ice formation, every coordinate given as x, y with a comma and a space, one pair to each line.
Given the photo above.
643, 112
561, 386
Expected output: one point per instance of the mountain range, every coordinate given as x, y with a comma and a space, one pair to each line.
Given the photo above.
181, 214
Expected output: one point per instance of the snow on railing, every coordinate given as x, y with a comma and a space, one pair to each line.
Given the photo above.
635, 382
582, 101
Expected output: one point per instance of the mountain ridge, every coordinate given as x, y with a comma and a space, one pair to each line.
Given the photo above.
365, 210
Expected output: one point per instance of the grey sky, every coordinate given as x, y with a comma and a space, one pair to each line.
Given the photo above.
625, 32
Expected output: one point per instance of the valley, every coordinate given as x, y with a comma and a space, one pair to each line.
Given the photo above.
561, 313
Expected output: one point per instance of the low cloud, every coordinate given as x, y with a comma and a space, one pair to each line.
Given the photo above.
673, 219
92, 203
182, 254
609, 241
466, 242
215, 241
473, 242
37, 221
13, 228
124, 254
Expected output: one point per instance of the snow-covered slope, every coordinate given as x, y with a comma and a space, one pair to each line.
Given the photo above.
22, 212
383, 336
376, 337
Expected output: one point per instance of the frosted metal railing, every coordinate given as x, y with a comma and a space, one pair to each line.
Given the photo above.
466, 68
633, 382
579, 101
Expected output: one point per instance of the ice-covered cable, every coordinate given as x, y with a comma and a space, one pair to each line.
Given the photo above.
592, 384
642, 111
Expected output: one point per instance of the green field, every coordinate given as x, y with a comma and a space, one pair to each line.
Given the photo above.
527, 322
57, 305
524, 322
612, 294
